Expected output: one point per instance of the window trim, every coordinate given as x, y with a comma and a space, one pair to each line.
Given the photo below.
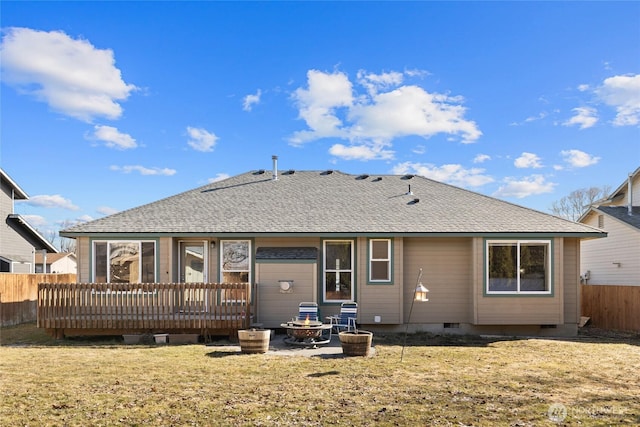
389, 261
549, 268
352, 270
139, 242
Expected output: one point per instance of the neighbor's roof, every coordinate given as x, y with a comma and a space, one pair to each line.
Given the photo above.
51, 258
621, 213
329, 202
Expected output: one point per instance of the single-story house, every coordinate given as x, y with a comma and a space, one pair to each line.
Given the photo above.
60, 263
616, 259
331, 237
19, 241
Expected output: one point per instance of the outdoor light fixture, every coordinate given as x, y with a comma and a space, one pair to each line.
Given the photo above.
420, 295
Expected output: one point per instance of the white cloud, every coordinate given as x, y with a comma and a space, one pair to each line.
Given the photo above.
51, 201
72, 76
331, 108
35, 220
317, 105
622, 93
481, 158
143, 170
106, 210
578, 159
201, 139
218, 177
585, 117
528, 186
528, 160
250, 100
361, 152
584, 87
420, 149
452, 174
376, 82
113, 138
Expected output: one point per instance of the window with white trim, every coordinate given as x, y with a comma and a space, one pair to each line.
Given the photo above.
338, 280
235, 261
379, 260
518, 267
124, 261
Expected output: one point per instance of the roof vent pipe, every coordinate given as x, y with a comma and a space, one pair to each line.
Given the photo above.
630, 195
274, 177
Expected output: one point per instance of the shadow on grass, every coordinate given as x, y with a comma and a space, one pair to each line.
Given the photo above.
585, 335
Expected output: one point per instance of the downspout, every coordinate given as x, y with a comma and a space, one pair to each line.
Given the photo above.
630, 196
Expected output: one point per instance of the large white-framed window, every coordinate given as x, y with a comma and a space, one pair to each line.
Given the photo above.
518, 267
380, 260
124, 261
338, 283
235, 261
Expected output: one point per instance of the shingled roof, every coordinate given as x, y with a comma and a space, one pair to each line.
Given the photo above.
329, 202
621, 213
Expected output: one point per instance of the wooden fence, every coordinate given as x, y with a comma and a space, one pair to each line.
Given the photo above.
19, 295
123, 308
611, 306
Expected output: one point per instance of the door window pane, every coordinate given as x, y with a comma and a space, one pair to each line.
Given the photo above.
338, 275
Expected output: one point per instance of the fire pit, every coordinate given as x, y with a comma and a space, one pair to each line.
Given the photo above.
306, 332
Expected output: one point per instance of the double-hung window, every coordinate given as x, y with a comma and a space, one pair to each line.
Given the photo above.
338, 271
124, 261
518, 267
380, 260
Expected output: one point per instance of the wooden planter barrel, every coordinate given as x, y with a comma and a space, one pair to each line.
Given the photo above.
254, 340
356, 343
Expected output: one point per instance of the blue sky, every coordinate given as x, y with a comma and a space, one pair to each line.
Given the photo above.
110, 105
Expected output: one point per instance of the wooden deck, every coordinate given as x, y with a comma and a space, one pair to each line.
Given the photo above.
66, 309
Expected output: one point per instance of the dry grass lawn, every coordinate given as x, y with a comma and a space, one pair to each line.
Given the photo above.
457, 381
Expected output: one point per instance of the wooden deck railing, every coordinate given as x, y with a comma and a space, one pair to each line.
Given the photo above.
114, 309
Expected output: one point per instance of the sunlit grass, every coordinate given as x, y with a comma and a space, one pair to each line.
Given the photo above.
441, 381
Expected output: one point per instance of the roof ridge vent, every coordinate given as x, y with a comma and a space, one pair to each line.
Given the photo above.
363, 176
327, 172
259, 172
289, 172
408, 176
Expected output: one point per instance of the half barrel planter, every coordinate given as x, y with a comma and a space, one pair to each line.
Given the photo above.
254, 340
356, 343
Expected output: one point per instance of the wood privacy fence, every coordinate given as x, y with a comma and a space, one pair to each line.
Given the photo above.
114, 309
19, 295
611, 306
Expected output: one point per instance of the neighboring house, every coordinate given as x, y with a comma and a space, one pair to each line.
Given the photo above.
616, 259
19, 241
60, 263
490, 266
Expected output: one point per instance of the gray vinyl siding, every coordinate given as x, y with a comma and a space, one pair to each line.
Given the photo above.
622, 245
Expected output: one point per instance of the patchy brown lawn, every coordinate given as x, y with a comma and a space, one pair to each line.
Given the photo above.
442, 381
